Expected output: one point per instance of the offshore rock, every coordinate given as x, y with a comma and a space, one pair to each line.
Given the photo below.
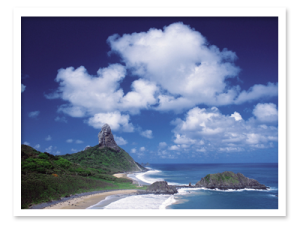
229, 180
106, 138
161, 187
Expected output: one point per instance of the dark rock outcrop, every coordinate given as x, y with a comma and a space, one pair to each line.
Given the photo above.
106, 138
161, 187
229, 180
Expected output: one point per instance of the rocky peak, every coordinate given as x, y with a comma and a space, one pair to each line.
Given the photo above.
106, 138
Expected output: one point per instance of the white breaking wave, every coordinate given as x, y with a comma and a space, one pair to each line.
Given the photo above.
167, 202
179, 184
150, 201
186, 191
145, 176
233, 190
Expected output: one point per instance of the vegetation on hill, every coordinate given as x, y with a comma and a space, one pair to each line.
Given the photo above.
46, 177
226, 177
105, 160
229, 180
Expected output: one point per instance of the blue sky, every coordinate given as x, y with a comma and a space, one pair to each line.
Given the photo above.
189, 90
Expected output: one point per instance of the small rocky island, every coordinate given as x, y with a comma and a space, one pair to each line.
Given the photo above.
223, 181
161, 187
229, 180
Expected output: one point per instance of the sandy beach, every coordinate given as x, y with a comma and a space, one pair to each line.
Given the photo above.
86, 201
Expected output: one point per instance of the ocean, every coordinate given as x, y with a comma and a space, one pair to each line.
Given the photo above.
200, 198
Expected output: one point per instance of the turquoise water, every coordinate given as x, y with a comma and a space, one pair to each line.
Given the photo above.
200, 198
266, 174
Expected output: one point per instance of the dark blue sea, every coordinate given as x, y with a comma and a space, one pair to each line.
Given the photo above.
200, 198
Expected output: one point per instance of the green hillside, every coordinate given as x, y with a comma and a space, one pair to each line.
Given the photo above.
46, 177
105, 160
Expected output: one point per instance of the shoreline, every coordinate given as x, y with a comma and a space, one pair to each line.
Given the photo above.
88, 199
84, 202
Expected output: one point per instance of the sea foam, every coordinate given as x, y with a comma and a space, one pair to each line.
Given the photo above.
145, 176
150, 201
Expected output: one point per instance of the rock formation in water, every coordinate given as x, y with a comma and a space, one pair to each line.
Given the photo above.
106, 138
229, 180
161, 187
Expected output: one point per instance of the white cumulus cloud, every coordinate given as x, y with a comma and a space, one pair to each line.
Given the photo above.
186, 68
26, 143
236, 116
116, 121
120, 140
162, 145
133, 150
69, 140
211, 130
37, 146
147, 134
257, 91
266, 112
78, 141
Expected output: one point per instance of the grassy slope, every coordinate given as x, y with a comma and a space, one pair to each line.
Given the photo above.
46, 177
220, 178
105, 160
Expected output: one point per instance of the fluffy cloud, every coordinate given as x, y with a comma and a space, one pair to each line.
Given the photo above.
142, 149
141, 96
208, 129
174, 147
162, 145
23, 88
175, 69
188, 70
120, 140
236, 116
88, 95
37, 146
26, 143
147, 134
69, 140
133, 150
266, 112
115, 120
34, 114
78, 142
256, 92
